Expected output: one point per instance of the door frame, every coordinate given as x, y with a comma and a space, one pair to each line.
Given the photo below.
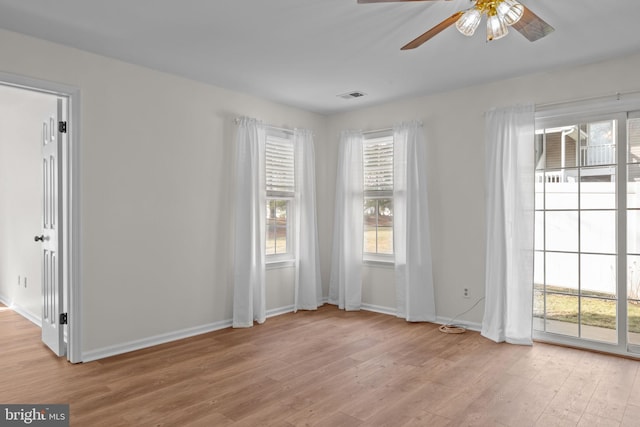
70, 189
586, 110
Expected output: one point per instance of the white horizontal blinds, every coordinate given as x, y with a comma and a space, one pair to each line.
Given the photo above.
279, 166
378, 164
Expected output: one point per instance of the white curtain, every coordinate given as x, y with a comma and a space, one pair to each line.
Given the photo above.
411, 237
308, 285
249, 278
345, 289
509, 184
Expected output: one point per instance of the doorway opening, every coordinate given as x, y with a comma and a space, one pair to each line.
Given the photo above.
40, 256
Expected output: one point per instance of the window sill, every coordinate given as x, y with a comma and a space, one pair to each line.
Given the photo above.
379, 261
287, 263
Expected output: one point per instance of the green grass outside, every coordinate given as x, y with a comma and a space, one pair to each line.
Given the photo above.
385, 240
595, 312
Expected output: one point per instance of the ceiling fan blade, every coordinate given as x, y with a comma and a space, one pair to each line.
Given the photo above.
392, 1
432, 32
532, 26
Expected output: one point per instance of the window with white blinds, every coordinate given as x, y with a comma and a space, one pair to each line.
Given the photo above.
378, 164
280, 186
377, 160
279, 166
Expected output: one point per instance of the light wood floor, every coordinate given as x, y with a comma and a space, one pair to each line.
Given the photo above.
325, 368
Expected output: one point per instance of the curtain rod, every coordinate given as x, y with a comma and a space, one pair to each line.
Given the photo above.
237, 121
387, 129
617, 95
377, 130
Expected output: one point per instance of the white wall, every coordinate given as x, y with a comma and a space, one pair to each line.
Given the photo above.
21, 116
157, 155
454, 127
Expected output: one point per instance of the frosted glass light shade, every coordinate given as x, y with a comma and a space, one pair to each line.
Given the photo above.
496, 28
510, 11
469, 21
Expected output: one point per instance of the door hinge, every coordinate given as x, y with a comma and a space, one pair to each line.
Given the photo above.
62, 127
63, 318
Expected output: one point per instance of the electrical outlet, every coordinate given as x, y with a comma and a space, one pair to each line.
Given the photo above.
465, 293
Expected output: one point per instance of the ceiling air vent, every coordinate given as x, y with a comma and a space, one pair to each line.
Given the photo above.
351, 95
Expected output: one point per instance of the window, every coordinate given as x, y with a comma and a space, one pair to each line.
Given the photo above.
280, 186
587, 242
378, 198
277, 227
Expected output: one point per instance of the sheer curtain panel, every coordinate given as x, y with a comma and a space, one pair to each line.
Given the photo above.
249, 278
509, 179
308, 286
345, 289
412, 240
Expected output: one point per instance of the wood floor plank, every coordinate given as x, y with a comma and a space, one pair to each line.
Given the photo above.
558, 417
631, 416
325, 368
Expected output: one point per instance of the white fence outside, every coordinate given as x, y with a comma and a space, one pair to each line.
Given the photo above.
597, 272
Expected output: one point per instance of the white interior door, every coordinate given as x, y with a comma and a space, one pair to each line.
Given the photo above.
51, 255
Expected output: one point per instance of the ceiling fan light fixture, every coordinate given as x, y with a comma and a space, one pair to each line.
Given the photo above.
469, 21
510, 11
501, 14
496, 27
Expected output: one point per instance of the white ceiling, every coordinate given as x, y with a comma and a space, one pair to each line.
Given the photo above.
306, 52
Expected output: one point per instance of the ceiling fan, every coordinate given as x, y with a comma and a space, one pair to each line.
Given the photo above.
500, 14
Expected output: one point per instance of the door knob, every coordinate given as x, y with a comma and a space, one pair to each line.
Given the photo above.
40, 238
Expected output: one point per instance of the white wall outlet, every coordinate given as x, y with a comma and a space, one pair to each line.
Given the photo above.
465, 293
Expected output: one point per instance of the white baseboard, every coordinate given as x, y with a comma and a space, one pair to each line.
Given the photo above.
127, 347
198, 330
279, 311
117, 349
472, 326
35, 319
379, 309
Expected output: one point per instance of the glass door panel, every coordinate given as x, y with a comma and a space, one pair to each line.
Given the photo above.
633, 229
576, 261
633, 295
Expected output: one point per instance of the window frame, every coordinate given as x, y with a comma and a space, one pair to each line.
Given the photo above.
287, 258
377, 258
622, 112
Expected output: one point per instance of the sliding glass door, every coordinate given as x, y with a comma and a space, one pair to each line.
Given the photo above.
633, 230
587, 246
